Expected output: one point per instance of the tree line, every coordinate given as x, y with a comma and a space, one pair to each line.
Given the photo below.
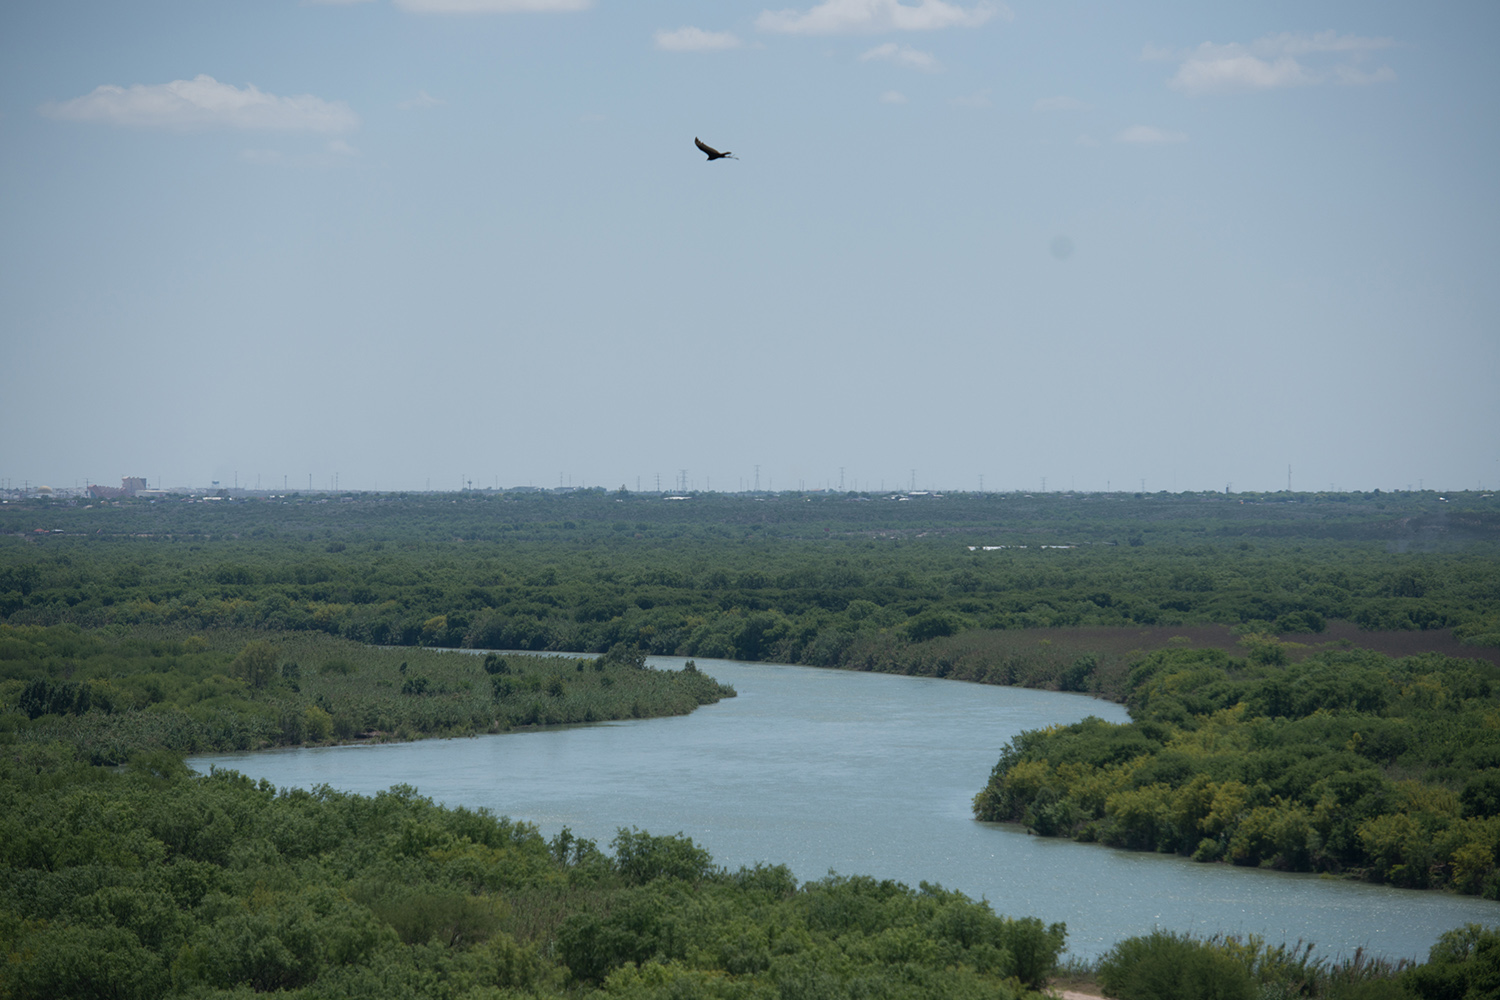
114, 692
1348, 762
817, 582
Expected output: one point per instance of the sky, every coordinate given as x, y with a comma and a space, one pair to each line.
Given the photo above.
413, 244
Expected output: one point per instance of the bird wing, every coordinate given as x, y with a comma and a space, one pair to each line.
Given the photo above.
706, 148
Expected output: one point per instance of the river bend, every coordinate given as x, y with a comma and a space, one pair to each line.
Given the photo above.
867, 774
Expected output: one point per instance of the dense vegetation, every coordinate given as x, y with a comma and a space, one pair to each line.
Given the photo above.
1345, 762
826, 580
113, 692
139, 631
1463, 965
152, 883
148, 882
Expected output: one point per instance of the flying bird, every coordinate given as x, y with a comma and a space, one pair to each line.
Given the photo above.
713, 154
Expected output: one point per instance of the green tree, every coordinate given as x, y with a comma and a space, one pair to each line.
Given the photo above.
641, 857
256, 664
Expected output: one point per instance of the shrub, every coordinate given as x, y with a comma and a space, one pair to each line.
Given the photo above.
317, 724
642, 858
1164, 965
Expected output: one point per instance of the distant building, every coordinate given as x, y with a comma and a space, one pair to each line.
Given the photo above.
129, 487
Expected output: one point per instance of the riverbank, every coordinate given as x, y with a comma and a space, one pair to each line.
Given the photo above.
112, 693
1345, 762
873, 774
149, 882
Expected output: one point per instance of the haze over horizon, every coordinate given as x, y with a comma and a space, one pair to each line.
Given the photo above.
406, 244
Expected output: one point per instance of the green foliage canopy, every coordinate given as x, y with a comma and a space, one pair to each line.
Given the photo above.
1345, 762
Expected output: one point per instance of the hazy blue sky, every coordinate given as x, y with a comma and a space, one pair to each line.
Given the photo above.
405, 242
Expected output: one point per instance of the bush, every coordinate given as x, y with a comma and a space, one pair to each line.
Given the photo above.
1167, 966
1464, 963
642, 858
317, 724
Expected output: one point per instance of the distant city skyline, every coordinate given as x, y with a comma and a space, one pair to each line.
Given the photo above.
650, 485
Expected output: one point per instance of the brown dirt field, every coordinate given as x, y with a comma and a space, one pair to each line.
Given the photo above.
1339, 635
1401, 643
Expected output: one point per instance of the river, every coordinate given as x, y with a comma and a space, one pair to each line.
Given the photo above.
867, 774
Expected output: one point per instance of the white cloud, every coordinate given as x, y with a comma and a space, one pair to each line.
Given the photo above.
904, 55
1149, 135
839, 17
893, 97
1355, 76
1059, 104
490, 6
1285, 60
690, 39
422, 100
341, 148
1210, 72
204, 102
978, 99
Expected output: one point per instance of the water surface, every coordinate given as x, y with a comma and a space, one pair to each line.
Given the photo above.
867, 774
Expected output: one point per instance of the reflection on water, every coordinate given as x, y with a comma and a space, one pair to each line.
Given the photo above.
867, 774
